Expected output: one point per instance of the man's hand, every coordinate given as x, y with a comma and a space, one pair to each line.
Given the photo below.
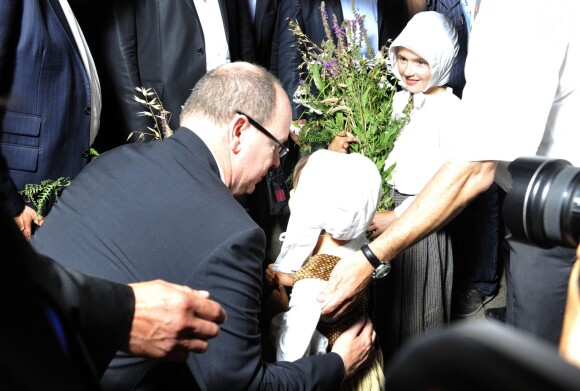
348, 279
354, 345
381, 222
26, 219
172, 320
342, 141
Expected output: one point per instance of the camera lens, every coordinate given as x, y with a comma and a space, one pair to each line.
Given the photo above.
543, 206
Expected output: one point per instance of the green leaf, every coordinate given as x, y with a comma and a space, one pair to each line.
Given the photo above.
45, 194
316, 76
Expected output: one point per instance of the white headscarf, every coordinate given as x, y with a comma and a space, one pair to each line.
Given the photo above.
338, 193
433, 37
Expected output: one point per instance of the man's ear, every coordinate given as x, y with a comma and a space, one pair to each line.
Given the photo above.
237, 133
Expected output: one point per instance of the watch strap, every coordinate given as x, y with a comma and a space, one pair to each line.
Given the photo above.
370, 256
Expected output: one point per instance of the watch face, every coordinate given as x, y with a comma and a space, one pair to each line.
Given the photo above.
382, 270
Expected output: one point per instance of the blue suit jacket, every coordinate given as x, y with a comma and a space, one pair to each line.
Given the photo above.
44, 90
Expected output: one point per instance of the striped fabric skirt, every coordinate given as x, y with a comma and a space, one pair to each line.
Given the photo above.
415, 297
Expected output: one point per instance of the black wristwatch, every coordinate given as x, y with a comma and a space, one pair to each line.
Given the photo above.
381, 268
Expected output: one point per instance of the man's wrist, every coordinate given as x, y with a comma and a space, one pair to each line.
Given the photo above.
380, 269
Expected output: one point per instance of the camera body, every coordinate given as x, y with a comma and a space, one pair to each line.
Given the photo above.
543, 205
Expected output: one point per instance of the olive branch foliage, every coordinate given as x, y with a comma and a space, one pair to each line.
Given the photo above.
342, 89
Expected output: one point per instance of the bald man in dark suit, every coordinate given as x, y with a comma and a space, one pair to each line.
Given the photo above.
187, 228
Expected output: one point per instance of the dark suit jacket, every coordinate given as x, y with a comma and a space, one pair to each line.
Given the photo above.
453, 10
93, 318
186, 228
44, 93
154, 44
13, 203
265, 22
393, 16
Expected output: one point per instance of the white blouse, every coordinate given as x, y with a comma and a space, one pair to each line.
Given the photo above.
418, 150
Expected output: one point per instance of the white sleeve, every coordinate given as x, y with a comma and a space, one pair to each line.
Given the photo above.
399, 210
294, 329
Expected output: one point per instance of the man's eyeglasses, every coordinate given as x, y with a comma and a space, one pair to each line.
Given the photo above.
283, 150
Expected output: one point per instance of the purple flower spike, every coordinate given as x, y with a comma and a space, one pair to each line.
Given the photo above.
332, 67
339, 33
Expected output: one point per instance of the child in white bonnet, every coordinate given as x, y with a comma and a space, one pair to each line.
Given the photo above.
415, 297
333, 203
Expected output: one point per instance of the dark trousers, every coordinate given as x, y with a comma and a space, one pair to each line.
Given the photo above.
537, 285
477, 234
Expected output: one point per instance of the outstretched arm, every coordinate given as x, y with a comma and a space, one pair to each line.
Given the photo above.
449, 191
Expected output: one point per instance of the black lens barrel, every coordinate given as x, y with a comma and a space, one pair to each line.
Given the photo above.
543, 206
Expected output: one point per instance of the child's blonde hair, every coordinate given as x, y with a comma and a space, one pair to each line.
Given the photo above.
298, 169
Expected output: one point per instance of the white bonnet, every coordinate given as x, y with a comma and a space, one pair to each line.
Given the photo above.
336, 192
432, 36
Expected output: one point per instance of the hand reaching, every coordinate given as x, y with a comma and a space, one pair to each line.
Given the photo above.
279, 278
348, 279
278, 301
381, 222
341, 142
26, 219
172, 320
354, 345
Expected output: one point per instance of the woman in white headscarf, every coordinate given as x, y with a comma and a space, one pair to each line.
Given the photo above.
333, 203
416, 296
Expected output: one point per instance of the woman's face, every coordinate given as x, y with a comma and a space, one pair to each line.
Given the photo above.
414, 70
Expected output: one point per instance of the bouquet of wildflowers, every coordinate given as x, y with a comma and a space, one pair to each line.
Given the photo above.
341, 89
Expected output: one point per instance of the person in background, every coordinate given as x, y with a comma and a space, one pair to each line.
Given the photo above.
165, 46
50, 98
265, 204
264, 14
